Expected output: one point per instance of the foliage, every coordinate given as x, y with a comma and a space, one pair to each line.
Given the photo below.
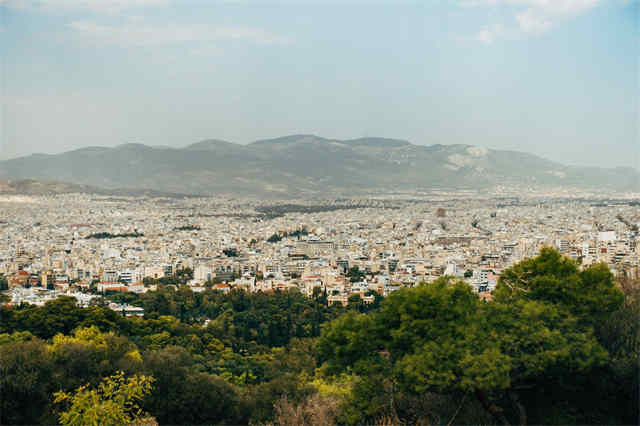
557, 345
108, 235
315, 410
440, 337
238, 317
114, 402
355, 275
61, 315
232, 370
230, 252
26, 375
183, 395
4, 284
590, 294
274, 238
179, 278
278, 236
188, 228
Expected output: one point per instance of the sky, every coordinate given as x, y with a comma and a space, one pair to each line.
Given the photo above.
556, 78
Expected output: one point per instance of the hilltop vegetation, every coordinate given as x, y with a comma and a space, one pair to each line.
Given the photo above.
556, 345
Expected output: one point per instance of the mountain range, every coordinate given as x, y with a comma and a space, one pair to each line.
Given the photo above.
308, 165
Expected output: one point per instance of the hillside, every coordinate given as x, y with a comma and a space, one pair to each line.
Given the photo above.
303, 165
47, 187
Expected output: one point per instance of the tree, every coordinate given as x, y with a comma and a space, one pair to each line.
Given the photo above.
441, 338
89, 355
230, 371
207, 399
356, 303
355, 275
183, 396
114, 402
230, 252
4, 284
315, 410
274, 238
618, 383
25, 380
590, 294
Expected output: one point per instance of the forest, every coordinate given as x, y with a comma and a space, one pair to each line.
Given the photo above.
557, 344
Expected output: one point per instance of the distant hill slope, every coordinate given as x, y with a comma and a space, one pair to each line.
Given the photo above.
39, 187
47, 187
300, 165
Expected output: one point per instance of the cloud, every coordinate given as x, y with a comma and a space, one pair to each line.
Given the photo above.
532, 22
98, 6
557, 7
134, 33
534, 16
539, 15
489, 34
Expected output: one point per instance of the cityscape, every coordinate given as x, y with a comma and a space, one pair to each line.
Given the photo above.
83, 244
319, 213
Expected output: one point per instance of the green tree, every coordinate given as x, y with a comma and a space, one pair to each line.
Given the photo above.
355, 275
25, 380
114, 402
591, 294
89, 355
441, 338
356, 303
618, 383
274, 238
182, 395
4, 284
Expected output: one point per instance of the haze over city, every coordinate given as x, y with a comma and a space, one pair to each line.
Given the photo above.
558, 79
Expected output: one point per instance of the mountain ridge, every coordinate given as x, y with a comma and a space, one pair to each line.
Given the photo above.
305, 165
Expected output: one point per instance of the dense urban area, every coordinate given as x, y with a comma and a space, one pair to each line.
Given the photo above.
89, 245
242, 310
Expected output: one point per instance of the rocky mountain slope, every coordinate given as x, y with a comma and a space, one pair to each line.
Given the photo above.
301, 165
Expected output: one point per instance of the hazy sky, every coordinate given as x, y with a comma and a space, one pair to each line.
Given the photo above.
558, 78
